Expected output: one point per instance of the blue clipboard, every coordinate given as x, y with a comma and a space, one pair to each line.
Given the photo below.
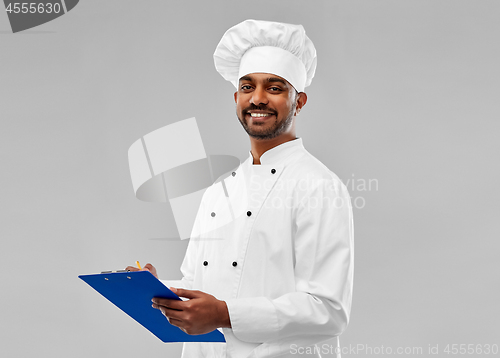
132, 293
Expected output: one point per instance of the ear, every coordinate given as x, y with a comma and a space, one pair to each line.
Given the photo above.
236, 97
301, 101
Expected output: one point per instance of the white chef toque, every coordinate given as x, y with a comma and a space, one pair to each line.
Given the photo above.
255, 46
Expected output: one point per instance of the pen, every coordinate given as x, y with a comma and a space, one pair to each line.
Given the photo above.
138, 265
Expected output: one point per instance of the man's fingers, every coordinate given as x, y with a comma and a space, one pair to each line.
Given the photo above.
171, 314
165, 302
175, 322
132, 268
151, 269
181, 292
147, 267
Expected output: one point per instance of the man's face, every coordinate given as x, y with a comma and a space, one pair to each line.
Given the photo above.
265, 105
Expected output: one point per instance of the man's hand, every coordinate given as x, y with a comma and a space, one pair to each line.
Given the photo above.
147, 267
202, 313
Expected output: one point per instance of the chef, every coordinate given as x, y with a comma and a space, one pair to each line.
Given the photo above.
270, 259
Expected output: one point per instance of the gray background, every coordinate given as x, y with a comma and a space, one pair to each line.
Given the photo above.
406, 94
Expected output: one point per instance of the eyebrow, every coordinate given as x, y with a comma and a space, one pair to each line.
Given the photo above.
276, 79
268, 80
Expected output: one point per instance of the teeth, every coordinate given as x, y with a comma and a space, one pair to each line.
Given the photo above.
259, 114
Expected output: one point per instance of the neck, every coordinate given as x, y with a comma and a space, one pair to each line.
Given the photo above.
259, 146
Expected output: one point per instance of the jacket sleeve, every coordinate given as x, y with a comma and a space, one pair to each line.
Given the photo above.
320, 306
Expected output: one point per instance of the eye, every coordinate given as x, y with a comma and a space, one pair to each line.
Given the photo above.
275, 89
246, 87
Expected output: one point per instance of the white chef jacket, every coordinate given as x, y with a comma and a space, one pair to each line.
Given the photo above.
275, 242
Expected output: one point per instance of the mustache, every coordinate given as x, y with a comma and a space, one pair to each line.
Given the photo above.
254, 107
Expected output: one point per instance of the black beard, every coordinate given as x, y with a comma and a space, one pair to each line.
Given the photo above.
276, 130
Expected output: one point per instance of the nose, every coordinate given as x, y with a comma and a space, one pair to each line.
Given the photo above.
259, 96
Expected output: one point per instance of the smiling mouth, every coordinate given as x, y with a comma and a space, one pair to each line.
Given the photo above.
260, 115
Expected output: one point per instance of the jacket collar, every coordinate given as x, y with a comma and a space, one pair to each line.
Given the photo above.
278, 154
